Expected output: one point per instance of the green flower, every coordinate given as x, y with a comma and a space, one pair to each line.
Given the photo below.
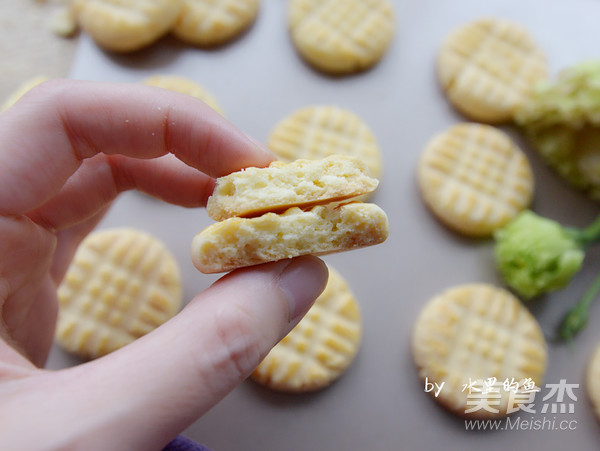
562, 120
536, 255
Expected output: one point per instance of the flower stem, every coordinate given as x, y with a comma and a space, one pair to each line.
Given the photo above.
590, 234
576, 318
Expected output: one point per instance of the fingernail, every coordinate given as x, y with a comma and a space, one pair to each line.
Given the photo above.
302, 281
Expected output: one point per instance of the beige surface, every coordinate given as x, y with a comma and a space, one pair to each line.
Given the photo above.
28, 47
380, 403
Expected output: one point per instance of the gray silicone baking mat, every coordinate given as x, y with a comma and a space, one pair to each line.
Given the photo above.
379, 404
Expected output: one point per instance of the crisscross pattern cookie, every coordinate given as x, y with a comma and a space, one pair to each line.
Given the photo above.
476, 332
593, 381
341, 36
320, 348
213, 22
121, 284
126, 25
320, 131
488, 67
21, 91
184, 85
474, 178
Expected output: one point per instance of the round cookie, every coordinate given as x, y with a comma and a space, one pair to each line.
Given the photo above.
214, 22
341, 36
126, 25
488, 67
320, 348
121, 284
62, 22
21, 91
475, 333
593, 381
320, 131
474, 178
184, 85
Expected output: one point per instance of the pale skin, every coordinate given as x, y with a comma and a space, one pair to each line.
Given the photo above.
67, 149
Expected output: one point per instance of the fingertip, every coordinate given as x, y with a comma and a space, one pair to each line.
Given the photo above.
302, 280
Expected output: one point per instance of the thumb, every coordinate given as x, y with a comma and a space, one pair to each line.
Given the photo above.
146, 393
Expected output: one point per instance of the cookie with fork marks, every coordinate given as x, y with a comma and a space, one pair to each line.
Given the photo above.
121, 284
320, 348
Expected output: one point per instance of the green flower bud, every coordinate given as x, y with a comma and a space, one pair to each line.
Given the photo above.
562, 121
536, 255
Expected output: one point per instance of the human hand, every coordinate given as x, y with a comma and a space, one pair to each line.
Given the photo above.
67, 149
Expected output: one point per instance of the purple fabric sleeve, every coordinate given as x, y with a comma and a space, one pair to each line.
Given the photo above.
181, 443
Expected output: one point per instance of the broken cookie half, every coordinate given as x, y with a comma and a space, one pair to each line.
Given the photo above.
288, 210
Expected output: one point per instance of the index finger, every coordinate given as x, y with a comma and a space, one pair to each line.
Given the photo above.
45, 137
